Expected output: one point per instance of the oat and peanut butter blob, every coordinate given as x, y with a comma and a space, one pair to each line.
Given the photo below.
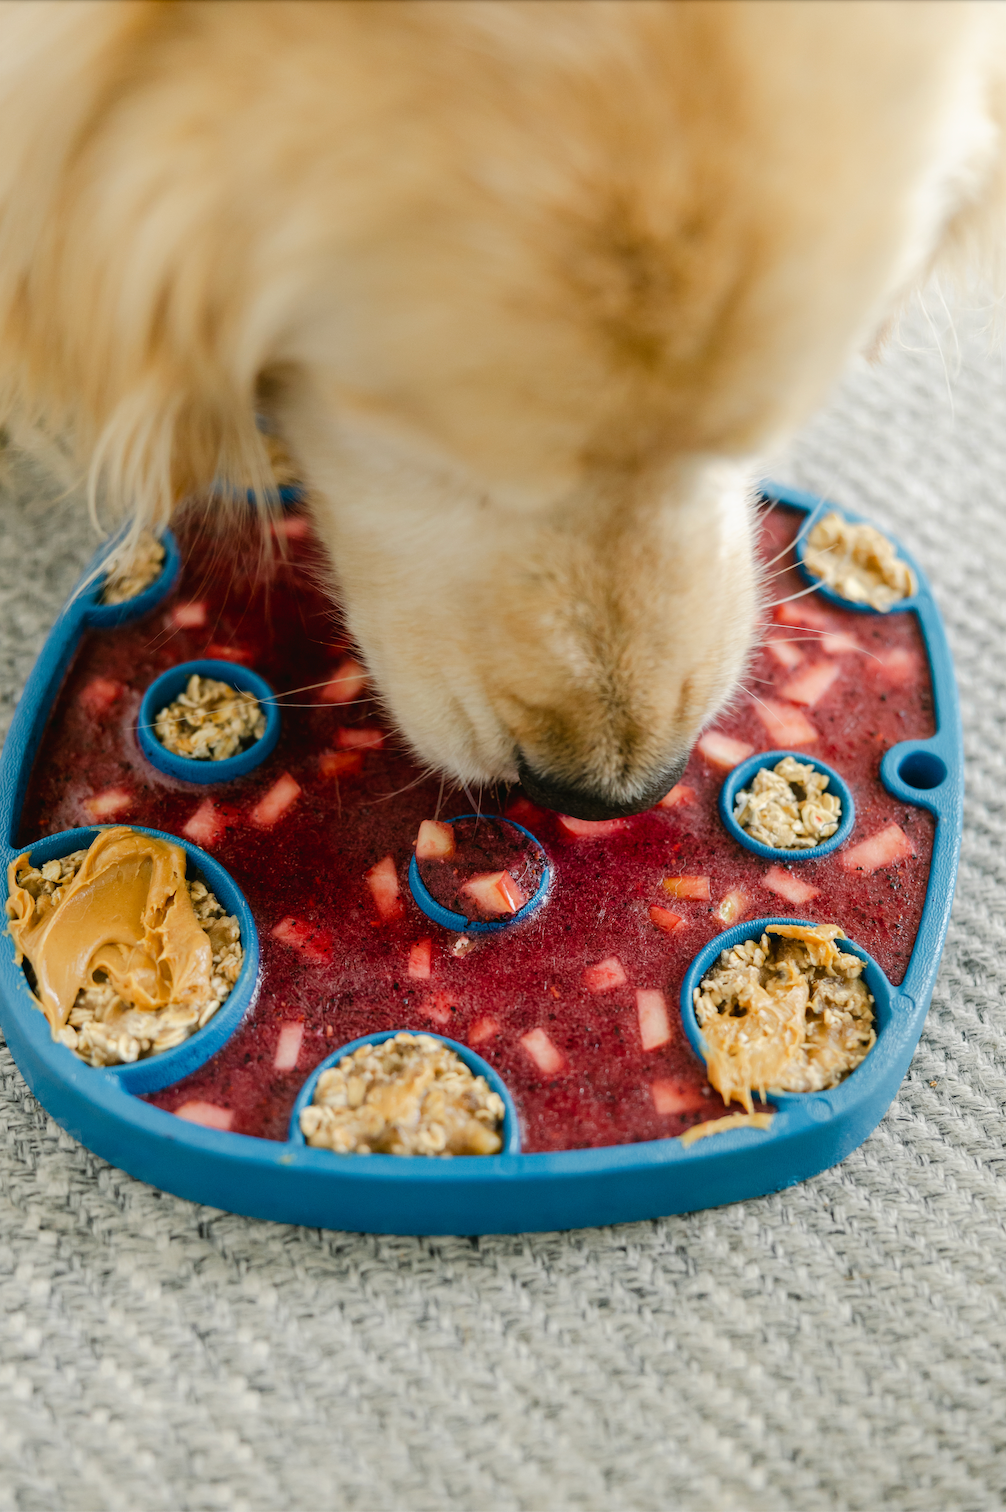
787, 807
210, 721
143, 568
858, 563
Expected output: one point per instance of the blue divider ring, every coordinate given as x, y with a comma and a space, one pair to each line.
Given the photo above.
447, 918
743, 774
166, 688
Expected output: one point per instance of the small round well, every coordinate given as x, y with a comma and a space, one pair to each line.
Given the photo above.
911, 602
743, 775
166, 688
448, 918
106, 616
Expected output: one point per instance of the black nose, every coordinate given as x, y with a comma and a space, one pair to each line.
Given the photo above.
583, 802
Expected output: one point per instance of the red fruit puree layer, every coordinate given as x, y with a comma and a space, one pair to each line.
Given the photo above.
552, 1002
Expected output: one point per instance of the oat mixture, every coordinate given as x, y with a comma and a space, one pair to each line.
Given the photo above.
210, 720
407, 1096
787, 807
788, 1013
130, 579
105, 1031
857, 562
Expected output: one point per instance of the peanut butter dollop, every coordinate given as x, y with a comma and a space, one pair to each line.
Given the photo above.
126, 918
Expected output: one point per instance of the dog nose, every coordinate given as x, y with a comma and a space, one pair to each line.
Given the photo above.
582, 801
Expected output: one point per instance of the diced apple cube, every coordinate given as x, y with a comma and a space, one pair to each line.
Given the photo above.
801, 612
421, 960
313, 941
111, 801
205, 824
291, 527
588, 829
274, 803
206, 1113
523, 811
288, 1047
654, 1025
340, 763
481, 1030
680, 793
786, 726
216, 651
99, 695
495, 892
438, 1009
809, 686
605, 975
785, 652
687, 887
882, 849
189, 616
435, 841
352, 739
780, 881
547, 1057
347, 682
733, 906
722, 751
665, 920
837, 643
382, 880
898, 666
675, 1095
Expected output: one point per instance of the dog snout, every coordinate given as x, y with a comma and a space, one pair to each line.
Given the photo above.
581, 800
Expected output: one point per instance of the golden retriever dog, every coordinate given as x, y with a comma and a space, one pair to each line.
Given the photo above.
525, 288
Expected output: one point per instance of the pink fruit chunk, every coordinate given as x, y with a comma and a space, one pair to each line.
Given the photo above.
674, 1095
347, 682
111, 801
189, 616
605, 975
340, 763
680, 793
785, 652
218, 652
733, 906
780, 881
589, 829
687, 887
481, 1030
722, 751
654, 1025
800, 612
523, 811
313, 941
382, 880
495, 892
288, 1047
99, 696
882, 849
665, 920
547, 1057
206, 1113
898, 666
291, 527
420, 960
786, 726
809, 686
438, 1009
351, 739
435, 841
273, 804
837, 643
205, 824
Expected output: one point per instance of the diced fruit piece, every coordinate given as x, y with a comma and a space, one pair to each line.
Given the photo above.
189, 616
274, 803
837, 643
111, 801
654, 1025
313, 941
205, 825
809, 686
99, 696
288, 1047
665, 920
291, 527
382, 880
435, 841
218, 652
605, 975
347, 682
340, 763
882, 849
420, 960
547, 1057
722, 751
733, 906
208, 1114
352, 739
786, 726
495, 892
680, 793
438, 1009
898, 666
481, 1030
589, 829
687, 887
800, 612
523, 811
780, 881
785, 652
674, 1095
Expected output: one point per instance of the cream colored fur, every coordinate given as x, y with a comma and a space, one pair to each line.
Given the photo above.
525, 286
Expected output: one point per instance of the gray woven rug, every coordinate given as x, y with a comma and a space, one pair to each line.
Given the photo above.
838, 1346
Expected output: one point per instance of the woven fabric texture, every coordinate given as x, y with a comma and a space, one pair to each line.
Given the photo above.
840, 1345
